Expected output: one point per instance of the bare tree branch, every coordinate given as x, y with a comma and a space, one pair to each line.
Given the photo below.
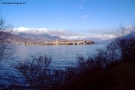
6, 48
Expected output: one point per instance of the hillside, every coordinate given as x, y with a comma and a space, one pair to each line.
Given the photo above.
39, 37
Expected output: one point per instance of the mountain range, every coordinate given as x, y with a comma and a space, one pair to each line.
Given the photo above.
39, 37
28, 37
23, 37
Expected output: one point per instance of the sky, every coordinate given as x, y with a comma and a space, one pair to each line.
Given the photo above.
69, 18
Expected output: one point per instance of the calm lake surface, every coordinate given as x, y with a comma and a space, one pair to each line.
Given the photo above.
62, 55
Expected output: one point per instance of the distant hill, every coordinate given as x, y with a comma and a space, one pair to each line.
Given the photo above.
23, 37
28, 37
16, 38
39, 37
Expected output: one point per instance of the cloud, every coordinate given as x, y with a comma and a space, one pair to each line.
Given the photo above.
78, 4
80, 7
130, 28
102, 34
102, 31
22, 29
74, 4
126, 30
30, 30
108, 34
66, 34
85, 16
76, 37
104, 37
53, 32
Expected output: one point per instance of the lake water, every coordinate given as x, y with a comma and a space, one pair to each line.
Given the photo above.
62, 55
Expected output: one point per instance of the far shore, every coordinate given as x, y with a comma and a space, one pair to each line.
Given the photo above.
76, 42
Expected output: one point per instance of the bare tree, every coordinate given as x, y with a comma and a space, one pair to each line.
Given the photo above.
36, 71
5, 33
6, 51
123, 45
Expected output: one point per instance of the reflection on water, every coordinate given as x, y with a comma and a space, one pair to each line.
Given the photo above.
62, 55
